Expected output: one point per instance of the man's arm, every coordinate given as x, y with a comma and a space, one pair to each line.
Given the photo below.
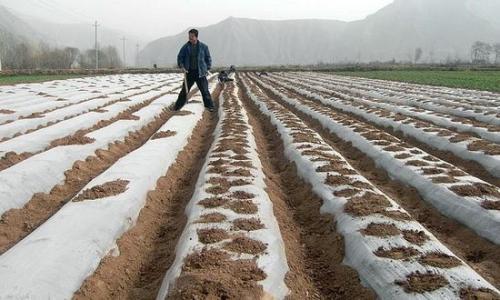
208, 59
181, 56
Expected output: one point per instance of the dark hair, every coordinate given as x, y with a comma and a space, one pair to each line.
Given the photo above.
194, 31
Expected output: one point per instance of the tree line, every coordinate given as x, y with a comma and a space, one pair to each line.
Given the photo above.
481, 53
24, 55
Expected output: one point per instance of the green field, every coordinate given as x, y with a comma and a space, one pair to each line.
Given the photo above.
476, 80
14, 79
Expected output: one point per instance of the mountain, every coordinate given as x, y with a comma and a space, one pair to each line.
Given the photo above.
252, 42
13, 31
443, 29
16, 27
82, 36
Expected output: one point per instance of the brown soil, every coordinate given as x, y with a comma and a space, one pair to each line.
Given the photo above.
417, 163
336, 180
243, 207
163, 134
218, 189
415, 237
243, 164
332, 166
432, 171
491, 205
239, 182
245, 245
129, 116
394, 148
456, 173
314, 249
476, 190
213, 202
227, 279
107, 189
381, 230
484, 146
367, 204
212, 218
76, 139
240, 157
219, 162
6, 111
79, 136
212, 235
346, 193
396, 215
239, 172
430, 158
461, 137
448, 231
444, 179
420, 283
247, 224
397, 253
478, 294
17, 223
242, 195
148, 249
12, 158
33, 116
440, 260
470, 167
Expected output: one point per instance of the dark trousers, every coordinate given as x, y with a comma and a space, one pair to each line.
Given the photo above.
202, 84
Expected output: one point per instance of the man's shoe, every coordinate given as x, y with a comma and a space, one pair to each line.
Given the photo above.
211, 109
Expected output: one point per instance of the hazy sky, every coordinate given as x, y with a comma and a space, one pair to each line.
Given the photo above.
157, 18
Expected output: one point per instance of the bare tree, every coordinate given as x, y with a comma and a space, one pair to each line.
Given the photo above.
112, 59
108, 58
480, 52
70, 56
496, 49
418, 54
23, 56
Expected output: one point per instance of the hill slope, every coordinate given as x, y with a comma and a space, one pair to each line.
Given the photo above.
444, 29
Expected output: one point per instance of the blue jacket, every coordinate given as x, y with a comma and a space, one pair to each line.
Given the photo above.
204, 59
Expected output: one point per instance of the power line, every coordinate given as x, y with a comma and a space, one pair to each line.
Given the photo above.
58, 7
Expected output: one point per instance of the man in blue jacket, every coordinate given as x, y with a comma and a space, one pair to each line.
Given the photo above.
195, 61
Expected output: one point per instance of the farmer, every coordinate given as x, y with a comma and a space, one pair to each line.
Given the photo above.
195, 61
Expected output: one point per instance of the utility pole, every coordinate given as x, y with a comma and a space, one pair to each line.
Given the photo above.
136, 56
124, 61
96, 47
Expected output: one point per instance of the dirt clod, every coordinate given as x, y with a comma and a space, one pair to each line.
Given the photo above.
107, 189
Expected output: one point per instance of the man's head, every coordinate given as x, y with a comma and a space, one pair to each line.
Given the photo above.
193, 36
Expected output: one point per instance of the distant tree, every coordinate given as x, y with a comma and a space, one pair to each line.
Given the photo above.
496, 49
480, 52
112, 59
70, 56
108, 58
418, 54
23, 57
